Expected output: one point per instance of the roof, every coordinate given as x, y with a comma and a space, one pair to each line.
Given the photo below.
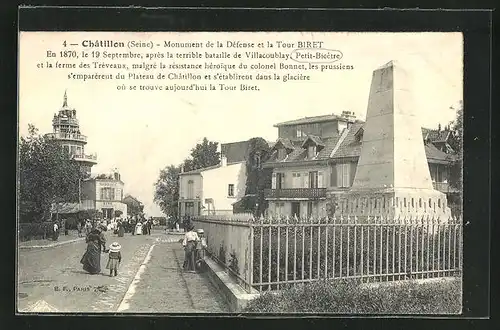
299, 153
131, 197
310, 120
350, 146
435, 136
198, 171
287, 143
65, 208
235, 151
316, 139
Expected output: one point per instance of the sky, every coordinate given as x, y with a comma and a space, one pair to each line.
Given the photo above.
142, 132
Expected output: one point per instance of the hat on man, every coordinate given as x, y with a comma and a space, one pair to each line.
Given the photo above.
115, 247
200, 231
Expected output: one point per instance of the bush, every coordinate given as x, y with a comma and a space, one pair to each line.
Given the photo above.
342, 250
349, 297
40, 230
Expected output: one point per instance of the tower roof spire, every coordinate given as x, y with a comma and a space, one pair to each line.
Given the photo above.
65, 100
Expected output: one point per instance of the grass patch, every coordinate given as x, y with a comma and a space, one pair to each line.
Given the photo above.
349, 297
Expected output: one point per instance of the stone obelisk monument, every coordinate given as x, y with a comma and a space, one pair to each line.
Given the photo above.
392, 177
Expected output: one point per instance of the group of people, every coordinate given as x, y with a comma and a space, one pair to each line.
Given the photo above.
57, 226
194, 244
96, 244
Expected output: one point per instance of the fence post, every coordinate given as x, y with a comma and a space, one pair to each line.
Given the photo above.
251, 251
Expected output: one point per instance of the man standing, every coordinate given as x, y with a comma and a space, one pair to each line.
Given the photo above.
55, 233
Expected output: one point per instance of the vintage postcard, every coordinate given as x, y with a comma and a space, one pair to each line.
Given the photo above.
249, 172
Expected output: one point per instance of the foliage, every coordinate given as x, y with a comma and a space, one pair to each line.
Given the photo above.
90, 214
29, 231
203, 155
399, 246
349, 297
233, 263
167, 191
134, 206
456, 177
47, 176
258, 177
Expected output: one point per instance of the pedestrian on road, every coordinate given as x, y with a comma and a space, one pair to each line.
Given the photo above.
79, 228
66, 227
189, 244
121, 229
55, 231
150, 225
96, 243
114, 259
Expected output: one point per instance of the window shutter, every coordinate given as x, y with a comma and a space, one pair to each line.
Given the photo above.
273, 185
339, 175
320, 179
333, 176
306, 180
353, 172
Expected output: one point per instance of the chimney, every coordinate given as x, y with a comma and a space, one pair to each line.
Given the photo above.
182, 168
223, 160
349, 115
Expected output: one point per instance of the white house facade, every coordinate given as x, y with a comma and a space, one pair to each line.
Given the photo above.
212, 190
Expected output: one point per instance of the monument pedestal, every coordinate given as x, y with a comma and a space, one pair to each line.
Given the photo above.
392, 175
394, 203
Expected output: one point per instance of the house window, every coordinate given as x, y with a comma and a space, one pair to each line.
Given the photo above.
280, 208
189, 208
299, 133
311, 152
73, 150
296, 180
107, 193
343, 175
190, 190
333, 176
281, 153
313, 179
257, 160
230, 189
280, 180
309, 209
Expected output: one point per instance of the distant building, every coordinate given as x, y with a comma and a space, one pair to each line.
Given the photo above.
104, 193
316, 157
212, 190
66, 132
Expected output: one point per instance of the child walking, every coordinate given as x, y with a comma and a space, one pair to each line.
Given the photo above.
115, 257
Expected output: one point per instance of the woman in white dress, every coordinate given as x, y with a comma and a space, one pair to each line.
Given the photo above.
138, 228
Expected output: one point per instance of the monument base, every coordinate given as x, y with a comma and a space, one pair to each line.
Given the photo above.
393, 204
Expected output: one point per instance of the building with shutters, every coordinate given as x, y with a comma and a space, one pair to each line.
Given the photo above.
104, 193
213, 190
315, 160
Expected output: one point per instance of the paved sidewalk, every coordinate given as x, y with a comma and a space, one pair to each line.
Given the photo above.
165, 288
72, 237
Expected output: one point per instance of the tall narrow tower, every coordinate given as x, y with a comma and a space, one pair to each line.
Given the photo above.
66, 131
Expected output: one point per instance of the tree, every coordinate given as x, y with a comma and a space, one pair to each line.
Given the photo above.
456, 177
204, 154
258, 177
47, 175
167, 190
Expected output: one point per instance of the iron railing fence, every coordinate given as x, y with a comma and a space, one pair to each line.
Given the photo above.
290, 251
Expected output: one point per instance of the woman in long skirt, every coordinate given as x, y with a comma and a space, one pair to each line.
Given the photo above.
121, 229
91, 260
